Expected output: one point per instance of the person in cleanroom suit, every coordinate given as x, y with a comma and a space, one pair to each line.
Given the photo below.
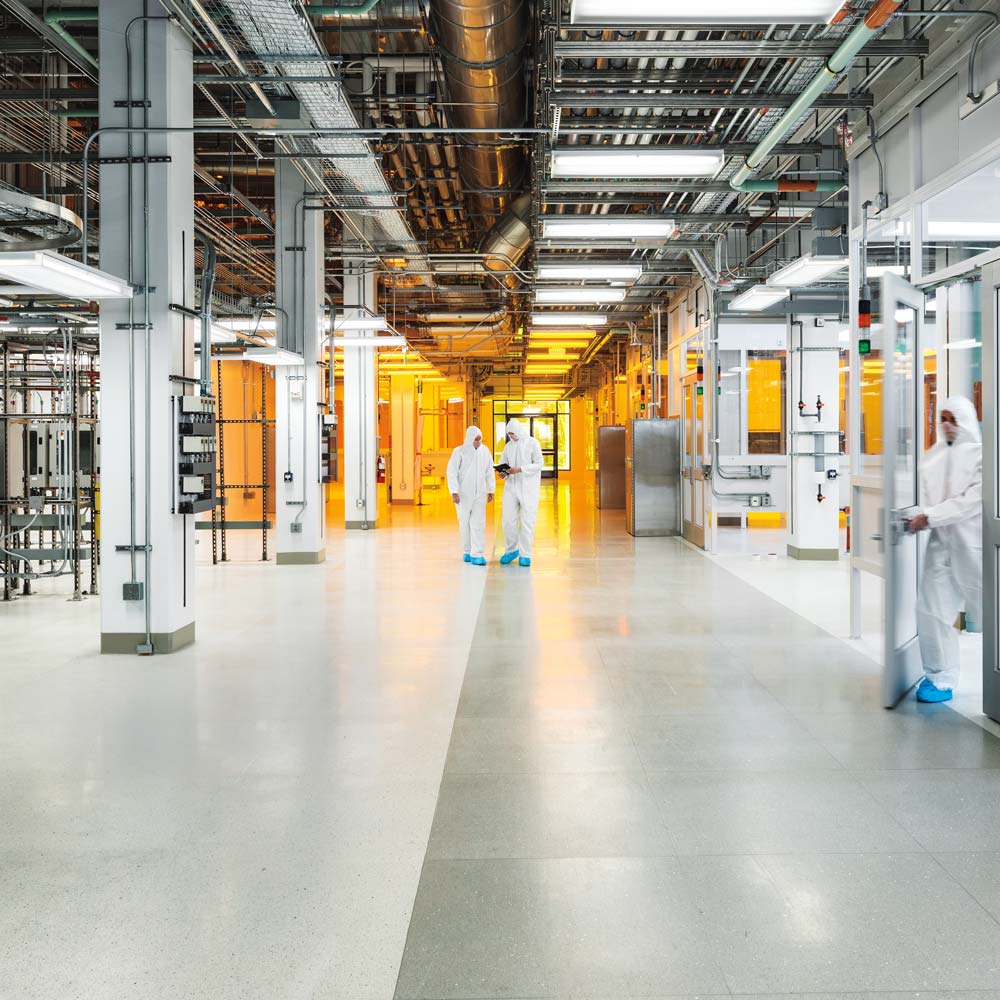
472, 483
520, 496
952, 510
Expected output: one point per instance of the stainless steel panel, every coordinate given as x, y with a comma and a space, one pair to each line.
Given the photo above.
655, 480
611, 446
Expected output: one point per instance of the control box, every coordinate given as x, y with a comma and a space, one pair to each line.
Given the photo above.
195, 454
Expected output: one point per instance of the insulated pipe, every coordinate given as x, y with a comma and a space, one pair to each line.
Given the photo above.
872, 24
324, 10
55, 20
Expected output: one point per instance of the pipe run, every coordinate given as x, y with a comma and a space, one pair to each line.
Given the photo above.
873, 22
55, 19
355, 10
207, 283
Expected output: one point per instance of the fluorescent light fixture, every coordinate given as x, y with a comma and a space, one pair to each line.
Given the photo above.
266, 324
807, 270
221, 335
589, 272
615, 227
963, 345
51, 272
903, 316
964, 230
878, 270
276, 356
456, 399
359, 322
572, 296
758, 297
667, 12
565, 345
375, 343
637, 161
568, 319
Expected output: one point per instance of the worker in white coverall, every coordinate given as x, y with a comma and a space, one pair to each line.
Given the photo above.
472, 484
952, 510
523, 479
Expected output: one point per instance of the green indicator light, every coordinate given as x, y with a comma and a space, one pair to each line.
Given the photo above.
864, 346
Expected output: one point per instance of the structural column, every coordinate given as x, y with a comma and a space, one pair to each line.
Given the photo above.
147, 236
814, 501
360, 402
300, 505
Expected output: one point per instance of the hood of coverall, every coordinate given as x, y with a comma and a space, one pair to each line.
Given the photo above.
965, 415
470, 436
516, 427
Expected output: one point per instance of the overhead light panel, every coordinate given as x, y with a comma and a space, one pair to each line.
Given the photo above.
589, 272
51, 272
359, 322
668, 12
276, 356
616, 227
758, 297
879, 270
572, 296
637, 161
568, 319
807, 270
372, 343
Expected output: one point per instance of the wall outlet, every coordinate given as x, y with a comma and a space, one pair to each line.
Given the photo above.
132, 591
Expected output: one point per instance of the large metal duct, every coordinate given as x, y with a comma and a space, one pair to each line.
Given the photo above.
506, 242
482, 44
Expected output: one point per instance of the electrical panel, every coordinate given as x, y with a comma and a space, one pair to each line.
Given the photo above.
328, 447
195, 454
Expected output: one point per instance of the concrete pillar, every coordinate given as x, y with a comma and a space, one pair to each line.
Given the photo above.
147, 573
360, 402
300, 515
814, 528
405, 418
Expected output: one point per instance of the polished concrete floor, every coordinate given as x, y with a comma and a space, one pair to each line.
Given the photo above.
624, 773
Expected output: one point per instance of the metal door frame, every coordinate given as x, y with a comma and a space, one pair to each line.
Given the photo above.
901, 666
694, 473
991, 491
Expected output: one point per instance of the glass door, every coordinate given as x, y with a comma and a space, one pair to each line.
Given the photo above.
991, 491
544, 429
902, 441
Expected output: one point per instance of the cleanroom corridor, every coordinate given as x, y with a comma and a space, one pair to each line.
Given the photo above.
624, 772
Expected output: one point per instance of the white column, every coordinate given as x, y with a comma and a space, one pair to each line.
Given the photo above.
814, 530
300, 516
150, 608
360, 404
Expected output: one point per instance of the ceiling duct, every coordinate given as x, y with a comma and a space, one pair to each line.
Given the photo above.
482, 46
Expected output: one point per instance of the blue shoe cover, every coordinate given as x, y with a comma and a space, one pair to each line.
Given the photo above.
929, 693
508, 557
524, 561
466, 558
478, 561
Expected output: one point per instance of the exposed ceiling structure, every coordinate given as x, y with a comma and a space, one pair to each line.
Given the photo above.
499, 160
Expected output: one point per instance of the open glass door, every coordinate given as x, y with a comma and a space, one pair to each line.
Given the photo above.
902, 436
991, 492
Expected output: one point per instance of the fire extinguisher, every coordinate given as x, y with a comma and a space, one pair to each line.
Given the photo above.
381, 469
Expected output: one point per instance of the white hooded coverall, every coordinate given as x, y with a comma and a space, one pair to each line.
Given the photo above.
520, 492
952, 498
471, 476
